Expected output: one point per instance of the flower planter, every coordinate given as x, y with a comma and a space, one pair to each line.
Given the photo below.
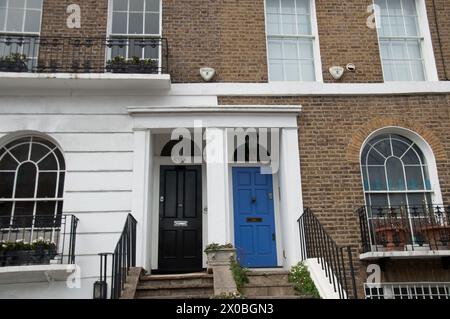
394, 237
19, 66
438, 236
220, 257
27, 257
131, 68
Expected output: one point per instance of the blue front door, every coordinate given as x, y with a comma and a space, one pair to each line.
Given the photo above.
254, 222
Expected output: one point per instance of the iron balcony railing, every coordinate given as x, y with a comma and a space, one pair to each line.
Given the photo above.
123, 258
336, 261
37, 240
404, 228
19, 53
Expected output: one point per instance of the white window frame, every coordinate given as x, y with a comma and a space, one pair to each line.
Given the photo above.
387, 290
129, 36
314, 36
3, 29
428, 57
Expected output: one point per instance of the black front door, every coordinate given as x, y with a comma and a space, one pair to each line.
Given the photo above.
180, 219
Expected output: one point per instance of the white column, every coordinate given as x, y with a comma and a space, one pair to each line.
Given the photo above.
291, 196
142, 169
217, 185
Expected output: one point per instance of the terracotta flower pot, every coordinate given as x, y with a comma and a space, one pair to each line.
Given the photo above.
395, 237
438, 236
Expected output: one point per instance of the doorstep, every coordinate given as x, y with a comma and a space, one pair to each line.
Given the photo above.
35, 273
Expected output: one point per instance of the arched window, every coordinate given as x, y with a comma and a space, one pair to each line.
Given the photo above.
395, 172
32, 172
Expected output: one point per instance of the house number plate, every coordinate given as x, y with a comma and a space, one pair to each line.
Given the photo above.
180, 223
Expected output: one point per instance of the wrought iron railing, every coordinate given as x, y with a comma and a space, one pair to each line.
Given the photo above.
404, 228
123, 258
37, 240
336, 261
20, 53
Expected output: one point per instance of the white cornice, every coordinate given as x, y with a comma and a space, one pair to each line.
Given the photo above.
136, 110
310, 89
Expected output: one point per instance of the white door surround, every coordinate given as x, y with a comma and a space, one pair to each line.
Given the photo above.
217, 192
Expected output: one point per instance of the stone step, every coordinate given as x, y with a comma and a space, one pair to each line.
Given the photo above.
164, 283
191, 297
186, 291
176, 277
272, 290
268, 278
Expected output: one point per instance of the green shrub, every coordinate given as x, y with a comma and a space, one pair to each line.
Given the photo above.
240, 274
301, 279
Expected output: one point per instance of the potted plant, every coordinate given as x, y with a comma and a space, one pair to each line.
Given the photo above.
15, 62
19, 253
120, 64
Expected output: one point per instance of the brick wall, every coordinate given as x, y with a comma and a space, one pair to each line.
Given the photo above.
227, 35
230, 36
331, 132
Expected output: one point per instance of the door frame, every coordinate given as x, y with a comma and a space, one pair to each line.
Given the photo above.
159, 161
276, 208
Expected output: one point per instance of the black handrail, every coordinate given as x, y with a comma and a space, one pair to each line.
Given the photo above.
37, 239
123, 258
317, 243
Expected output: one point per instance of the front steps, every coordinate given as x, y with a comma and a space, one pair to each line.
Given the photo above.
186, 286
263, 284
270, 284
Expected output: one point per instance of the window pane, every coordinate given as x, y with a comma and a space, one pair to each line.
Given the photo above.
8, 163
304, 24
403, 72
26, 179
308, 72
273, 24
378, 200
61, 185
394, 7
136, 5
289, 24
5, 214
32, 21
38, 152
34, 4
416, 200
136, 23
290, 50
47, 185
273, 6
395, 175
292, 71
303, 7
409, 7
384, 147
276, 70
397, 26
2, 19
152, 5
389, 71
17, 4
14, 20
377, 178
119, 24
306, 49
397, 199
399, 148
2, 3
288, 6
6, 184
365, 178
417, 71
414, 177
411, 158
21, 152
275, 49
120, 5
48, 163
412, 29
152, 23
375, 158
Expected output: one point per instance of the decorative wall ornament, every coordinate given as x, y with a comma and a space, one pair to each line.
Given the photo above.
337, 72
207, 73
74, 18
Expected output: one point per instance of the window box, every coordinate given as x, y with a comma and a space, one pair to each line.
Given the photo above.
393, 238
27, 257
135, 65
13, 63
